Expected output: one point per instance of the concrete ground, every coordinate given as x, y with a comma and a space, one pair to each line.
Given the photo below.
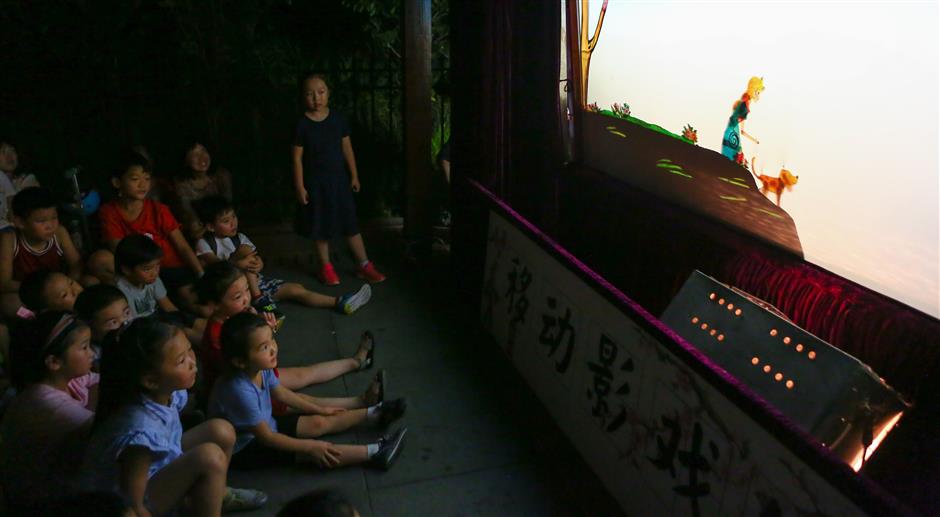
479, 442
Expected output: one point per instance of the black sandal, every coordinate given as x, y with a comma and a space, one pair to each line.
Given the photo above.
380, 379
370, 355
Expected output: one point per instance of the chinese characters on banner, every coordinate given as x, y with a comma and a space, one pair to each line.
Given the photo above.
662, 439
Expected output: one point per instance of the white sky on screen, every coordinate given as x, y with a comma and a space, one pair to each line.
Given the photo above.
851, 106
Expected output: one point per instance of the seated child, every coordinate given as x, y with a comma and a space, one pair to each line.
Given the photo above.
45, 426
46, 290
137, 262
12, 180
224, 288
103, 308
138, 447
39, 242
134, 213
222, 241
244, 393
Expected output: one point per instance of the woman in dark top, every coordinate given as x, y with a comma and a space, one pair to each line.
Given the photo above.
197, 180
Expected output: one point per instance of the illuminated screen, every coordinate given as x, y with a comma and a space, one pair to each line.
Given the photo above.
849, 105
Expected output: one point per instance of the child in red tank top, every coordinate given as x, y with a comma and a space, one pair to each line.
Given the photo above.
36, 243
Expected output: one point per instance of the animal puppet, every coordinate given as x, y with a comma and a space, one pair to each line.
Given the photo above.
785, 180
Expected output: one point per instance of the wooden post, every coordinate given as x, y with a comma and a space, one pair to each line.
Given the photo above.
417, 107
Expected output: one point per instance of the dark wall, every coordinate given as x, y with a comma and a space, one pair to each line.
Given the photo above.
81, 79
506, 130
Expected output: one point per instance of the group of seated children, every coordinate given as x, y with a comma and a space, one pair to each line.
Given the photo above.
107, 396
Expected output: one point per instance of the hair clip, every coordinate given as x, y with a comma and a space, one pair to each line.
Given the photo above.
65, 323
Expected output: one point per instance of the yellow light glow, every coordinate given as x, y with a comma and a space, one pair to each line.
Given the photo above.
730, 306
721, 301
694, 319
755, 360
704, 326
812, 355
767, 368
879, 436
773, 332
799, 347
721, 337
778, 377
713, 332
786, 340
711, 296
737, 312
789, 384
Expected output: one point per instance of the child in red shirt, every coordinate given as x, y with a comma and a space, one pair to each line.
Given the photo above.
134, 213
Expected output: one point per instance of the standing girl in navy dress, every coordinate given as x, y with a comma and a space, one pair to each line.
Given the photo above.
321, 147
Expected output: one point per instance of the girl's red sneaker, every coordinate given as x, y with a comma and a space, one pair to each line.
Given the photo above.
370, 274
327, 275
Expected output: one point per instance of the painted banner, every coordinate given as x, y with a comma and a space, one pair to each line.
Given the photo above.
663, 439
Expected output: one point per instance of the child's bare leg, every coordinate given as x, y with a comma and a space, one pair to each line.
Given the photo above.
357, 247
323, 252
312, 426
298, 293
215, 430
299, 377
341, 402
349, 455
200, 473
253, 284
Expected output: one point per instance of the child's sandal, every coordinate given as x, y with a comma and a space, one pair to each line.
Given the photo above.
381, 379
370, 355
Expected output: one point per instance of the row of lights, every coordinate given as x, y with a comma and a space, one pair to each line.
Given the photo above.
799, 346
721, 301
777, 376
704, 326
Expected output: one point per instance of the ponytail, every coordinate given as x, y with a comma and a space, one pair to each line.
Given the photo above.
129, 353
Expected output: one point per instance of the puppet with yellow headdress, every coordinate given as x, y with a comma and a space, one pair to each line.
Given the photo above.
731, 142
